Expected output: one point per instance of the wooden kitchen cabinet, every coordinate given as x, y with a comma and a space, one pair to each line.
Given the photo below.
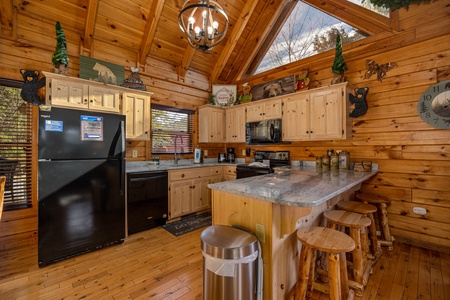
264, 110
136, 107
211, 120
69, 92
188, 189
319, 114
229, 173
235, 124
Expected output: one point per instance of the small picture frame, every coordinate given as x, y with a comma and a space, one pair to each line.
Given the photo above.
224, 95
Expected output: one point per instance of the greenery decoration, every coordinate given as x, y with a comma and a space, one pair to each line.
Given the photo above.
60, 57
339, 65
396, 4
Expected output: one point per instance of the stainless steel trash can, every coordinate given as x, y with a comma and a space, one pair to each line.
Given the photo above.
232, 264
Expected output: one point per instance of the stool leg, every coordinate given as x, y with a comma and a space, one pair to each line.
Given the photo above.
385, 226
344, 275
303, 272
334, 275
373, 236
312, 273
358, 264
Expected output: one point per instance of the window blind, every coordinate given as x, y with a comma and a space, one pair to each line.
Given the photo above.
169, 123
15, 146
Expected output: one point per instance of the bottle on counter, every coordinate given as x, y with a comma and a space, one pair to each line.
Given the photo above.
197, 155
344, 160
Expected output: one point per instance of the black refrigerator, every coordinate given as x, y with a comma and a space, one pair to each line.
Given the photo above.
81, 182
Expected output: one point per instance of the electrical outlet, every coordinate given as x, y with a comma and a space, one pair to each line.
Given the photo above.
419, 210
261, 233
134, 153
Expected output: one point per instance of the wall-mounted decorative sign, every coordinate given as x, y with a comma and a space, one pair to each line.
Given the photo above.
224, 95
274, 88
101, 71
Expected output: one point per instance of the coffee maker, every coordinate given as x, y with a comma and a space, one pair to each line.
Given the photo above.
231, 156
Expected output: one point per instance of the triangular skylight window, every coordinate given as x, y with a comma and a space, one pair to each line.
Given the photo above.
306, 32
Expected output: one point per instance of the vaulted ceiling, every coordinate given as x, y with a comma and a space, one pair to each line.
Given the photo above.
150, 29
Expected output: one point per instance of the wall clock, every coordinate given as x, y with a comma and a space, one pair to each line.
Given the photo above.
434, 105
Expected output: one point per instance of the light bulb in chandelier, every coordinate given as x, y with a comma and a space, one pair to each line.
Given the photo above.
204, 23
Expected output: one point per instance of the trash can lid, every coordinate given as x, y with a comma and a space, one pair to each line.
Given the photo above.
227, 242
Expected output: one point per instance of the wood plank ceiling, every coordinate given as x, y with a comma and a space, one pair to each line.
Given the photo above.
150, 29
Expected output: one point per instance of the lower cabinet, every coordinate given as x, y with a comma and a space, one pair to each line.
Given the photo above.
188, 189
229, 173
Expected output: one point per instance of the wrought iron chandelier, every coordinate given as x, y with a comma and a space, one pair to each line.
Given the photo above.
200, 21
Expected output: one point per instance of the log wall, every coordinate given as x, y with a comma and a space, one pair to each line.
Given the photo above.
413, 157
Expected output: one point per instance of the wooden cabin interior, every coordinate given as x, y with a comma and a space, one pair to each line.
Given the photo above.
413, 157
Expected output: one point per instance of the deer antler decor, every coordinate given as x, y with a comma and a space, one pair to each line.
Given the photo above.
372, 68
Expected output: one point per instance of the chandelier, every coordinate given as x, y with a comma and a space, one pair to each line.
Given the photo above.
200, 21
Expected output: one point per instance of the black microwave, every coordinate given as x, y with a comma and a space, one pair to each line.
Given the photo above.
263, 132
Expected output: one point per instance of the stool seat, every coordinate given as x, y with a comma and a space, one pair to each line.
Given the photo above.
326, 239
357, 207
348, 219
371, 198
335, 244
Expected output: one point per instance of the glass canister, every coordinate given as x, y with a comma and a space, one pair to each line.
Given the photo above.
325, 162
334, 162
344, 160
319, 162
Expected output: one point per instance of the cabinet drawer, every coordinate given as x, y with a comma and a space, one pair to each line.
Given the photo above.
188, 173
229, 170
216, 171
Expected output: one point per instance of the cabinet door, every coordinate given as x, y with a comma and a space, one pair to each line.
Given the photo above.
68, 94
326, 114
136, 107
296, 120
235, 124
255, 112
217, 125
104, 99
201, 195
272, 109
180, 198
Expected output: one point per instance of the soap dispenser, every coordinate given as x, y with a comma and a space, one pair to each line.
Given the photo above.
197, 155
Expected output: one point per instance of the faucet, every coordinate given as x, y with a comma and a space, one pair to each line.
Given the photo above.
177, 157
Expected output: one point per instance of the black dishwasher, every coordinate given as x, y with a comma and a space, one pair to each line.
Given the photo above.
147, 199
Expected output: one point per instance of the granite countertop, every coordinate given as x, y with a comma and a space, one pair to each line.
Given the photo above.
149, 166
300, 185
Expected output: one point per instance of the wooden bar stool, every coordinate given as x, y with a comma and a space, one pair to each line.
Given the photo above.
386, 238
357, 225
367, 210
335, 244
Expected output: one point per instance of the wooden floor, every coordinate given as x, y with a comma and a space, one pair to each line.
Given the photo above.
156, 265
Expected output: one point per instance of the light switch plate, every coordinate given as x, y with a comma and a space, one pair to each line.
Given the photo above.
134, 153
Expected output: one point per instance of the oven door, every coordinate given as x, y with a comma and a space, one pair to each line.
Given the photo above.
246, 171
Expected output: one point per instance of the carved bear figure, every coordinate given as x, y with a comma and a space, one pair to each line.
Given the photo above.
30, 87
359, 100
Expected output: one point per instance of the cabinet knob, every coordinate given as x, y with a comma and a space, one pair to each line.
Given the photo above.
92, 101
85, 100
182, 175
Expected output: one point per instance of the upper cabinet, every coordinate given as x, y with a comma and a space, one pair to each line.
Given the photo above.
69, 92
211, 124
136, 107
76, 93
264, 110
235, 124
319, 114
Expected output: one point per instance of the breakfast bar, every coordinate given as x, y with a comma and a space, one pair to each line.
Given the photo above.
274, 206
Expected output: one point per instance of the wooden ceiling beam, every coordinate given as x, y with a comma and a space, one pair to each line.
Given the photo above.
186, 62
90, 24
233, 39
6, 17
156, 8
353, 14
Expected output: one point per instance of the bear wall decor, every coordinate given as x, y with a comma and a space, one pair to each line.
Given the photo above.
359, 100
31, 85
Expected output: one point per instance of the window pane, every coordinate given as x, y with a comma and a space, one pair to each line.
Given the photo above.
306, 32
15, 148
366, 4
168, 125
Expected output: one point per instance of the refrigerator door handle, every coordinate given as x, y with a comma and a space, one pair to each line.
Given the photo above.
122, 164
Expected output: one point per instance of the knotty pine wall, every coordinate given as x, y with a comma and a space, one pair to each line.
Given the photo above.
413, 157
